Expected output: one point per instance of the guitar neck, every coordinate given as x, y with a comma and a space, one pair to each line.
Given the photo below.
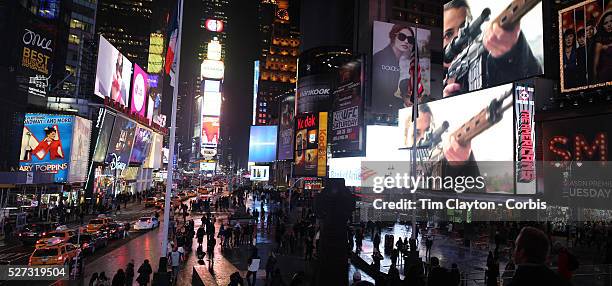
511, 16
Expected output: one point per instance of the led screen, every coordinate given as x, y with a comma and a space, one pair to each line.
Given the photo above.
140, 85
79, 157
105, 126
142, 145
262, 143
113, 74
121, 141
259, 173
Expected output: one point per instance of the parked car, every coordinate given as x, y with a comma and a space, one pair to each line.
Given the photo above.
60, 235
59, 254
150, 202
146, 222
32, 232
160, 203
113, 230
192, 193
89, 242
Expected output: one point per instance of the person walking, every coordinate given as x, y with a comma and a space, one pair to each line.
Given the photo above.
102, 280
270, 265
119, 278
200, 234
175, 261
144, 273
129, 273
210, 246
253, 268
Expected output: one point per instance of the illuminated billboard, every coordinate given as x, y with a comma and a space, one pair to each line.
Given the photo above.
584, 33
475, 60
142, 145
105, 127
262, 144
46, 144
213, 51
121, 142
211, 103
154, 158
113, 74
311, 145
255, 88
393, 62
139, 97
285, 128
156, 50
259, 173
213, 25
79, 156
209, 166
36, 55
347, 128
212, 69
209, 138
471, 134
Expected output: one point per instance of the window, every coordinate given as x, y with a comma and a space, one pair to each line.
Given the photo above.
76, 24
74, 39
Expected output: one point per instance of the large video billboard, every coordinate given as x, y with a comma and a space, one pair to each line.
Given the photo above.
585, 32
211, 103
79, 156
576, 161
393, 64
468, 135
154, 158
209, 138
311, 145
46, 144
285, 129
262, 144
113, 74
105, 127
139, 97
121, 142
502, 53
347, 130
142, 144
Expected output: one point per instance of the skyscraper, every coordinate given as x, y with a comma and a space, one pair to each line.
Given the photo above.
278, 59
213, 10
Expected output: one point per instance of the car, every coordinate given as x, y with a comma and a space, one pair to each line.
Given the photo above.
150, 202
160, 203
89, 242
182, 196
191, 194
60, 235
146, 222
59, 254
95, 224
32, 232
113, 230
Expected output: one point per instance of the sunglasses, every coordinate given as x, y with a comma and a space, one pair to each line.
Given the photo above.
403, 37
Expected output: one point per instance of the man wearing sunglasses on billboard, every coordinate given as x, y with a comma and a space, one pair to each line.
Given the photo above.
508, 55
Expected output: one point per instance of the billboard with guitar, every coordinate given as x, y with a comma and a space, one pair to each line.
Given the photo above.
470, 135
489, 43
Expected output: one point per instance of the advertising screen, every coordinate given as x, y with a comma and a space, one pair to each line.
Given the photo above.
113, 74
35, 67
208, 166
79, 157
255, 88
471, 135
155, 100
576, 161
285, 129
140, 85
105, 125
525, 138
121, 142
153, 160
165, 155
393, 62
142, 145
314, 93
585, 30
212, 69
262, 143
475, 60
209, 136
46, 144
347, 130
311, 145
211, 103
259, 173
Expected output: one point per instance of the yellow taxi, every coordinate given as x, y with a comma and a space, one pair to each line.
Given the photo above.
95, 224
60, 235
58, 254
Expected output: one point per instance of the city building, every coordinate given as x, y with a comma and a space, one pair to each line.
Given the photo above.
212, 22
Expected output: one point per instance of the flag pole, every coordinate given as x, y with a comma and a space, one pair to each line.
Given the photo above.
167, 207
415, 115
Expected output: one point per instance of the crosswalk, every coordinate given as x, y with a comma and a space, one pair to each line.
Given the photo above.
13, 257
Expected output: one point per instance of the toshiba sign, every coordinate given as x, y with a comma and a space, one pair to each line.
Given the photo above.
212, 69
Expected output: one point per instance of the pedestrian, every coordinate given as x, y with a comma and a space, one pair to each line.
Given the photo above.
102, 280
175, 262
211, 243
253, 268
376, 241
92, 280
119, 278
200, 234
144, 273
270, 265
129, 273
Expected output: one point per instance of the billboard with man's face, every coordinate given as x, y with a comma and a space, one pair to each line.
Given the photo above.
505, 47
585, 32
393, 64
113, 74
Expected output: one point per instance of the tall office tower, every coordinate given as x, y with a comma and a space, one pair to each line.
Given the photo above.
278, 59
213, 21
